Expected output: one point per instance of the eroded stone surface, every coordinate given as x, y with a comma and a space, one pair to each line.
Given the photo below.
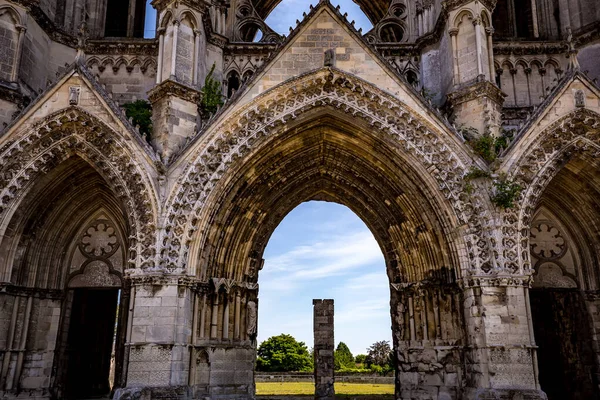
179, 221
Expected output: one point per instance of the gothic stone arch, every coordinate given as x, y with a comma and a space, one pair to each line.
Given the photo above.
70, 132
442, 158
376, 156
574, 134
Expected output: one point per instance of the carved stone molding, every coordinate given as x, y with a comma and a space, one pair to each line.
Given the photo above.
258, 120
497, 281
73, 131
172, 88
9, 288
121, 47
477, 90
576, 133
198, 5
454, 4
528, 48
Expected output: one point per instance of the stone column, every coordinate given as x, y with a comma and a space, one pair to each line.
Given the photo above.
174, 49
489, 31
15, 71
161, 51
159, 337
453, 32
477, 24
501, 350
323, 348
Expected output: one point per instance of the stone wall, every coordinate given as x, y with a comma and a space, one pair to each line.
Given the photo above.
7, 110
8, 46
324, 345
28, 337
127, 78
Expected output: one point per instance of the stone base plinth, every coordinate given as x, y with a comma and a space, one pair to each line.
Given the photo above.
505, 394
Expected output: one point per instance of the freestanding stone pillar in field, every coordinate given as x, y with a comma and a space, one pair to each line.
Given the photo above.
324, 346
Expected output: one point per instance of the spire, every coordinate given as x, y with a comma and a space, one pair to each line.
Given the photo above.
82, 37
571, 51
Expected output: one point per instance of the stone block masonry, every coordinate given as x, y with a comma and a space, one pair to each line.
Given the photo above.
324, 346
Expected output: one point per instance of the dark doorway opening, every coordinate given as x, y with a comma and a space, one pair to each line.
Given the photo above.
90, 342
563, 334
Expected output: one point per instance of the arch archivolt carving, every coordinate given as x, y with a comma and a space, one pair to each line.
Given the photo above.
441, 156
576, 134
74, 132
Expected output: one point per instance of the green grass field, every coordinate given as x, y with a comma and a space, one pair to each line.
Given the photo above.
308, 388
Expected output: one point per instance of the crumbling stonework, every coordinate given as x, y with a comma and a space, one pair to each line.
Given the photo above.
324, 346
164, 235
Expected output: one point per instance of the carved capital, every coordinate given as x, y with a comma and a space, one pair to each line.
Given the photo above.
453, 31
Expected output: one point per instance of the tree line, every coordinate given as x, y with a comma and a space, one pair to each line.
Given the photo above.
283, 353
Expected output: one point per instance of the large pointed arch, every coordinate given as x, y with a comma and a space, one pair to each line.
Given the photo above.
576, 134
438, 158
74, 132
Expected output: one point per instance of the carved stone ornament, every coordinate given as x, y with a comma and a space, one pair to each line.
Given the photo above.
74, 92
579, 98
60, 136
172, 88
233, 138
547, 242
575, 133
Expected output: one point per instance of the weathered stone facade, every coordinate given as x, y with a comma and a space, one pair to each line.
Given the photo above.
493, 261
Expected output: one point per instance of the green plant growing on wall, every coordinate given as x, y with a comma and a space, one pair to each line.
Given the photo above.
212, 95
474, 173
502, 142
484, 146
505, 192
140, 112
487, 146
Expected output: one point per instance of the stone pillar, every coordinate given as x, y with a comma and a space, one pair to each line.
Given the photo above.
174, 116
323, 347
478, 106
158, 337
501, 351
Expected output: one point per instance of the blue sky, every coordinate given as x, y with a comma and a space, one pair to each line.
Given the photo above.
284, 15
323, 250
288, 11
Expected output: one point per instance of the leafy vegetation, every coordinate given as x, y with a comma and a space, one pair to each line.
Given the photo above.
487, 146
474, 173
212, 95
380, 357
343, 357
140, 111
360, 358
505, 192
283, 354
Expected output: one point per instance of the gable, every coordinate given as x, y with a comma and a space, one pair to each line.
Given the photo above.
305, 51
75, 89
575, 93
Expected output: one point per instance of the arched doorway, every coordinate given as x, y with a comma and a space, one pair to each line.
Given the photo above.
564, 296
65, 253
323, 250
325, 156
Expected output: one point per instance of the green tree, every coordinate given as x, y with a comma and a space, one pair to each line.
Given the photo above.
212, 95
343, 357
360, 358
379, 354
282, 354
